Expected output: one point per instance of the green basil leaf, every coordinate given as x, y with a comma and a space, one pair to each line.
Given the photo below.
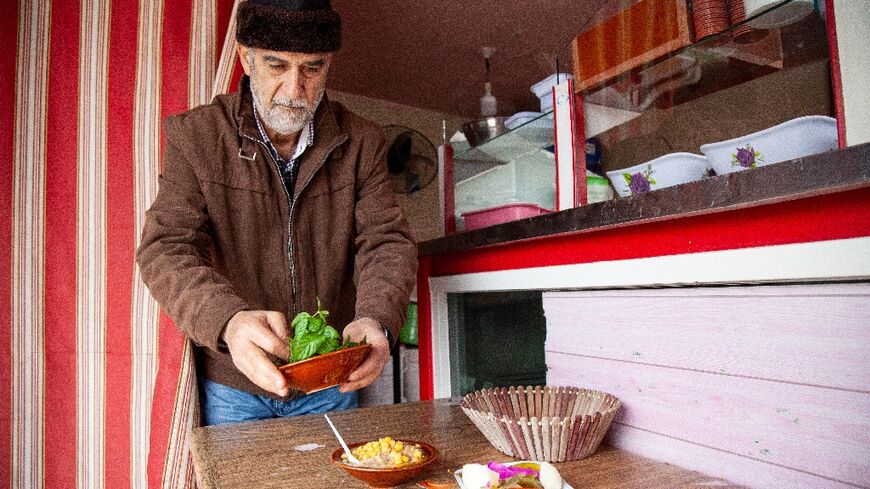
316, 325
299, 317
312, 335
300, 324
330, 332
328, 345
305, 347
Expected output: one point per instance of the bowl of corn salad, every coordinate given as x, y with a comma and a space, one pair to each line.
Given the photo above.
386, 462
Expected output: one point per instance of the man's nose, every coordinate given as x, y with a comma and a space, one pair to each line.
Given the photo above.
292, 85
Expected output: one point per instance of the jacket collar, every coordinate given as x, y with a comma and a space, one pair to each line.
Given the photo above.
328, 135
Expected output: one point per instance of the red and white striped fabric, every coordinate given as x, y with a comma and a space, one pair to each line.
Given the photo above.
97, 387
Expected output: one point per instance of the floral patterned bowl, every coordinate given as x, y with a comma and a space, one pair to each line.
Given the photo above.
664, 171
792, 139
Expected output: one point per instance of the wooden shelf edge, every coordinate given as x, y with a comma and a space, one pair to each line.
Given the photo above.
835, 171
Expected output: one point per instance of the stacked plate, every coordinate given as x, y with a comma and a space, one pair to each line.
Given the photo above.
710, 17
547, 424
742, 34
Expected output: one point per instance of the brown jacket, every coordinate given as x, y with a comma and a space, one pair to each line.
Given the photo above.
219, 237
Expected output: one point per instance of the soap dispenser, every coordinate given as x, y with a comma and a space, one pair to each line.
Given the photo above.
488, 103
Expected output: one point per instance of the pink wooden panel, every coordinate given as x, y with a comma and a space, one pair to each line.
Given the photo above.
818, 430
816, 335
735, 468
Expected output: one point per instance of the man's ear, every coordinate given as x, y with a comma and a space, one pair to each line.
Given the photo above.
244, 52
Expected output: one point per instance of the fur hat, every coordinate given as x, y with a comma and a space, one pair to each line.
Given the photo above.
299, 26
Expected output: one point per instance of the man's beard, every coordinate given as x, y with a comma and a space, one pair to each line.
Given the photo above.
278, 117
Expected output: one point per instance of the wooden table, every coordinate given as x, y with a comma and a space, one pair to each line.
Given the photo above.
261, 454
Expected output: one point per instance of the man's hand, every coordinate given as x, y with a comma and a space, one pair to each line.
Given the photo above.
378, 356
249, 335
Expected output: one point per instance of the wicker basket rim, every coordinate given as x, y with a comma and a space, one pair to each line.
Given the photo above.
603, 397
613, 409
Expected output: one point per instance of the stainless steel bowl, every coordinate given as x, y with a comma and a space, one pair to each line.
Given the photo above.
482, 130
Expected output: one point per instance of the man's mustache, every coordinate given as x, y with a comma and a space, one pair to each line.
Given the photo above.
291, 103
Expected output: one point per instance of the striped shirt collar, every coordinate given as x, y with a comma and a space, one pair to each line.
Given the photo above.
306, 137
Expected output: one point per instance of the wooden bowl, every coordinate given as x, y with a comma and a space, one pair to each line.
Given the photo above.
386, 477
324, 371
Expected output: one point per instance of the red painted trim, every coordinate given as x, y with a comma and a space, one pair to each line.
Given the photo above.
8, 56
578, 152
120, 243
449, 191
61, 345
835, 216
799, 221
836, 77
424, 330
558, 206
578, 138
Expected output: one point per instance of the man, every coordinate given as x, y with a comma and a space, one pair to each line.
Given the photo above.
270, 199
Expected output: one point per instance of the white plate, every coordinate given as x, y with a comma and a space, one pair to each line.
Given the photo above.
458, 475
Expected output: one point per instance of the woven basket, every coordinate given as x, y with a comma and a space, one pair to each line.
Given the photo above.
547, 424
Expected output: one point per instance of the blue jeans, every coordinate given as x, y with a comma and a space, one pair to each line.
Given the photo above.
221, 404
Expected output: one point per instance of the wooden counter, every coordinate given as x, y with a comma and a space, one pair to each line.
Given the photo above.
261, 454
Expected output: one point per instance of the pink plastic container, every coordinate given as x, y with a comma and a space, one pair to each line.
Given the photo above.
503, 213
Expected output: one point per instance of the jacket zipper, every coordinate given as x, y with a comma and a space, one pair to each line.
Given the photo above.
292, 202
293, 206
289, 227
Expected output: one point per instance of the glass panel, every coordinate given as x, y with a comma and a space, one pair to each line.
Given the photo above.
757, 74
528, 136
496, 340
516, 166
767, 70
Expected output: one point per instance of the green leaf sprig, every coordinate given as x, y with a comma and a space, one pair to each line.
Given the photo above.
312, 335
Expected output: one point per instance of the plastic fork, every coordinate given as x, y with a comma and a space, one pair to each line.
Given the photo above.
350, 456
